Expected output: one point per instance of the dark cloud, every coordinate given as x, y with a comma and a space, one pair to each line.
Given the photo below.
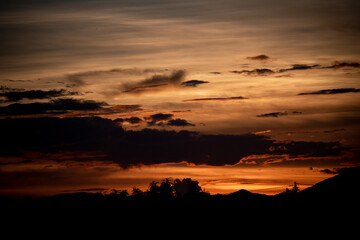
266, 71
335, 130
273, 114
216, 73
56, 106
332, 91
120, 109
5, 89
301, 149
162, 120
179, 123
328, 171
159, 117
193, 83
15, 80
154, 83
261, 57
214, 99
132, 120
299, 67
98, 139
337, 65
13, 96
277, 114
256, 72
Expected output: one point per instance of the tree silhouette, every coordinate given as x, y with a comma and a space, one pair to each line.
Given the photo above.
166, 189
295, 189
154, 190
117, 194
172, 189
186, 187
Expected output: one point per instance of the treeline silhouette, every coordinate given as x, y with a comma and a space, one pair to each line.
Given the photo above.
167, 189
343, 187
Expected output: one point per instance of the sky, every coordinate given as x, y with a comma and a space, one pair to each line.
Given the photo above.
99, 95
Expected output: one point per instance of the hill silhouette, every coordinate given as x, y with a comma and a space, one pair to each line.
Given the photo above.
344, 187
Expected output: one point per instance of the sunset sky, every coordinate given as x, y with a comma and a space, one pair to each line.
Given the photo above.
237, 94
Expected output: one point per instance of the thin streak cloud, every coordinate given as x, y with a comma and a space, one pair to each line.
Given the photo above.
215, 99
332, 91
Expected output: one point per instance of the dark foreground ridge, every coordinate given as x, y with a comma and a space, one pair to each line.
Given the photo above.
344, 187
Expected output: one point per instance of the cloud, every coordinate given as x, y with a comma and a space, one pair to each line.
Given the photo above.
299, 67
55, 106
273, 114
99, 139
337, 65
328, 171
78, 78
64, 107
159, 117
277, 114
144, 88
132, 120
266, 71
163, 119
179, 123
15, 80
156, 82
261, 57
334, 130
332, 91
193, 83
14, 96
256, 72
262, 132
214, 99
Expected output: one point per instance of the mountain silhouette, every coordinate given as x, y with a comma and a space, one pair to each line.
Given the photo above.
344, 187
241, 195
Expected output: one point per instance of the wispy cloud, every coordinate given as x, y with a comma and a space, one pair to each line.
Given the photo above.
262, 132
337, 65
16, 95
256, 72
299, 67
261, 57
154, 83
65, 107
193, 83
334, 130
79, 78
214, 99
332, 91
278, 114
294, 67
53, 107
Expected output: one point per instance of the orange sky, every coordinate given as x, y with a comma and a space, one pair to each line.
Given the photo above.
287, 72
